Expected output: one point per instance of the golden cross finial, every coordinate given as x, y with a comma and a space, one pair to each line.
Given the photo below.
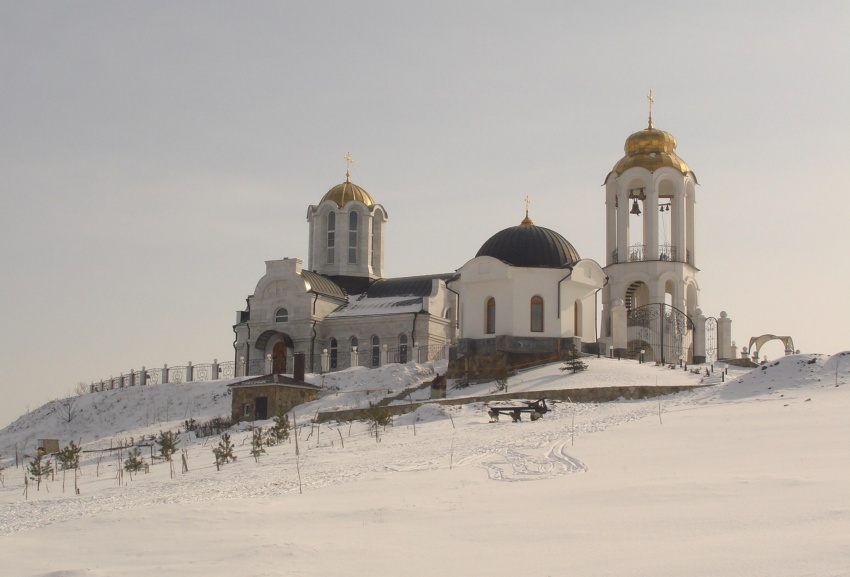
527, 220
348, 161
651, 102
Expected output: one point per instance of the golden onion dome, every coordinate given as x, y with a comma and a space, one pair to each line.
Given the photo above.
651, 149
347, 192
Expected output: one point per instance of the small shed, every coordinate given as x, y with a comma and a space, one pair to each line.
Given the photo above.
264, 397
48, 446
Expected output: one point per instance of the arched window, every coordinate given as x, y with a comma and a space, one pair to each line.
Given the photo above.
376, 352
331, 236
352, 238
334, 354
281, 315
491, 316
353, 343
536, 314
402, 349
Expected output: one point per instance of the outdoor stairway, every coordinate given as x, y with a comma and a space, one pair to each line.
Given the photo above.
404, 394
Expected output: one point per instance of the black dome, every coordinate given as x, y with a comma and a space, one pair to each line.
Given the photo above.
528, 245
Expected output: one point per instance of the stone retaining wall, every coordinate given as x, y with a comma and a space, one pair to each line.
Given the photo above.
592, 395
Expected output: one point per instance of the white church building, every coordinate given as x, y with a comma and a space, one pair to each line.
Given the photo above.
526, 294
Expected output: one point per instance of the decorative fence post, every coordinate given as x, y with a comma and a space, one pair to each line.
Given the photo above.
215, 370
164, 374
724, 336
355, 360
143, 376
189, 373
269, 364
415, 351
241, 366
326, 361
384, 355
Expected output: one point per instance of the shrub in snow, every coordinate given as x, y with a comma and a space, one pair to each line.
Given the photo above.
214, 426
501, 374
379, 416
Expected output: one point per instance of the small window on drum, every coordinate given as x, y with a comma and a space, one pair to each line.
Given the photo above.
490, 322
281, 315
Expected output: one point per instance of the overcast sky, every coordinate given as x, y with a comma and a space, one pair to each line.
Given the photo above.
154, 154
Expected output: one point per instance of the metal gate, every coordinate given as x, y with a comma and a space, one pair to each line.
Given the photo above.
663, 332
710, 339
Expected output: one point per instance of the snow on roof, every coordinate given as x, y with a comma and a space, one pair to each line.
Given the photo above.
362, 305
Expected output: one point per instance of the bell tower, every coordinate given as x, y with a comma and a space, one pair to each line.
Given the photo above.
347, 236
650, 253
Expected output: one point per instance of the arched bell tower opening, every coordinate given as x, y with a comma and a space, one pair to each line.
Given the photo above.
650, 220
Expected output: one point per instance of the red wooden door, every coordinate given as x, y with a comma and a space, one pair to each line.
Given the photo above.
279, 358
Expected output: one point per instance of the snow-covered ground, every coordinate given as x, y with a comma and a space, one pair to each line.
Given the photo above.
748, 477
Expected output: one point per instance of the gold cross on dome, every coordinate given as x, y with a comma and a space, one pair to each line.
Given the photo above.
527, 220
651, 102
348, 161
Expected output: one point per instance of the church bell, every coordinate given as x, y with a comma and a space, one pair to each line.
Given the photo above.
635, 208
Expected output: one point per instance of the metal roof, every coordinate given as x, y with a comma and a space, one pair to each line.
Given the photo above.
410, 286
322, 285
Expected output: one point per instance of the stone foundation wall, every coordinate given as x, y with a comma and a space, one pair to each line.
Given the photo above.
592, 395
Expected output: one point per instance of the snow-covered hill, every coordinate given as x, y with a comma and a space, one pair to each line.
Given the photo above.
745, 477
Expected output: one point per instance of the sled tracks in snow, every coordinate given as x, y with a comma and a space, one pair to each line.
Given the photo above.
512, 465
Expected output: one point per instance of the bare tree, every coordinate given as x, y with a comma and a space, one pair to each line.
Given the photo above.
68, 409
81, 388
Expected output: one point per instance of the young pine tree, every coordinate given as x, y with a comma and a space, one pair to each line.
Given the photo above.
224, 451
574, 364
39, 468
134, 461
167, 442
69, 460
279, 432
257, 444
69, 456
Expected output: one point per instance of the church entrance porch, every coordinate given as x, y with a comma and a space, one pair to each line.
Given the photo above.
663, 332
274, 347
